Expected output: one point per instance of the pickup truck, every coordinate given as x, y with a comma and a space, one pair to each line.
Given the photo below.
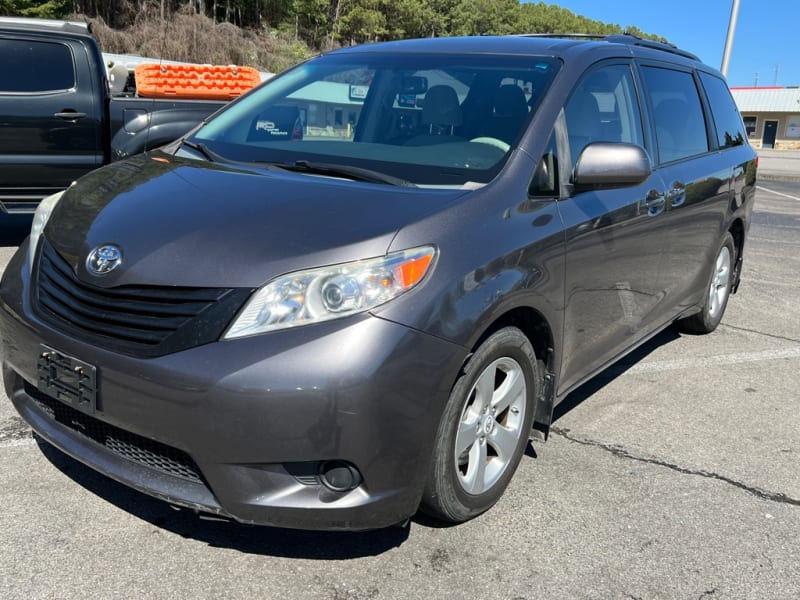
58, 117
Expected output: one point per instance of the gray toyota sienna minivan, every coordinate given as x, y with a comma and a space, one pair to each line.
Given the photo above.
360, 289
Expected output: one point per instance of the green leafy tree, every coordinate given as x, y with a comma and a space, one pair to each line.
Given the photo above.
51, 9
310, 20
412, 19
365, 22
298, 26
479, 17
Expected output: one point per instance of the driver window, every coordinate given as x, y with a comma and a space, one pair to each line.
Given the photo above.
603, 108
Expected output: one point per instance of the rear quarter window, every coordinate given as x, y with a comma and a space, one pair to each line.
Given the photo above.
728, 122
30, 66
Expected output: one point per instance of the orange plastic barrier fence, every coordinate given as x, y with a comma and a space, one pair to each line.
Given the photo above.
195, 82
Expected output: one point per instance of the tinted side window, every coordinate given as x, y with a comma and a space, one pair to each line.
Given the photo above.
730, 131
32, 66
603, 108
677, 112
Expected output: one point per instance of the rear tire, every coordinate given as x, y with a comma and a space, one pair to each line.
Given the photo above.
718, 291
484, 429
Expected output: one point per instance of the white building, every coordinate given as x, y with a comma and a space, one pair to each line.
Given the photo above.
771, 115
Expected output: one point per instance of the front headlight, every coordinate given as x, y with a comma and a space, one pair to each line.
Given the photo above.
40, 218
331, 292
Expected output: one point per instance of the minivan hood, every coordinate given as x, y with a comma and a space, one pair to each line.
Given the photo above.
193, 223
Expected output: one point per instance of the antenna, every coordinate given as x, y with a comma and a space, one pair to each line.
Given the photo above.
158, 81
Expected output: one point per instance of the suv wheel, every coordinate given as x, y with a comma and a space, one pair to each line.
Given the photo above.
484, 429
718, 290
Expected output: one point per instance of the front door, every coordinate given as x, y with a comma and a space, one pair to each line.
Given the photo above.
50, 120
613, 241
770, 132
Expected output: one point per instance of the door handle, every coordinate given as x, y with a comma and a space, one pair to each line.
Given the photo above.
70, 115
677, 195
654, 203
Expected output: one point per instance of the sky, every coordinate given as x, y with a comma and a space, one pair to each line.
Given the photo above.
767, 34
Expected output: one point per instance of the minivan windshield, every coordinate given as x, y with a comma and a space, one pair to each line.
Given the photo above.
429, 120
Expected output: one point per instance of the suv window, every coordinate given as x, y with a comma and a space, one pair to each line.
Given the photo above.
730, 130
677, 112
32, 66
603, 108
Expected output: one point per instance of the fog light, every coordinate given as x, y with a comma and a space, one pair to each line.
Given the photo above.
339, 476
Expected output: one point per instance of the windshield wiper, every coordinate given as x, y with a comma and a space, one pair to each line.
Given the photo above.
346, 171
204, 150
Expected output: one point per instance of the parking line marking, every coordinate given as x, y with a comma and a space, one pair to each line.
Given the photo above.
788, 284
714, 361
763, 189
773, 241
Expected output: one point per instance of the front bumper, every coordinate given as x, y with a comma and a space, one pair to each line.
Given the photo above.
238, 428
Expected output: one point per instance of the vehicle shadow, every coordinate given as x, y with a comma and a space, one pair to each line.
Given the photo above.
249, 539
602, 379
14, 229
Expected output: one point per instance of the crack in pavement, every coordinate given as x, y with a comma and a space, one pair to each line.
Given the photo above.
770, 335
621, 452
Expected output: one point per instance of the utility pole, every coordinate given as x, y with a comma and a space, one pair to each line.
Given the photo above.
726, 54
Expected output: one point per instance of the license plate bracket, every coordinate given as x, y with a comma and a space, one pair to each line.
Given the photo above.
67, 379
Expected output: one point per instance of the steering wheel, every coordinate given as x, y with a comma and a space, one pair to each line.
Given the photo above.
490, 141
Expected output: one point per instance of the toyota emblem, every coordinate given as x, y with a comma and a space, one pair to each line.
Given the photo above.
104, 259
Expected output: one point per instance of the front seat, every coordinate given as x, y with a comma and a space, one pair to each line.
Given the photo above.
510, 112
441, 114
583, 122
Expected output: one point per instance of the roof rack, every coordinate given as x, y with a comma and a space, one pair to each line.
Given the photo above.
619, 38
628, 38
577, 36
66, 26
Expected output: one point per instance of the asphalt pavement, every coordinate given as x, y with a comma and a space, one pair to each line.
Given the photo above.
779, 165
673, 474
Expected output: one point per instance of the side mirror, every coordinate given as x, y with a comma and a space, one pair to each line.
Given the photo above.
609, 165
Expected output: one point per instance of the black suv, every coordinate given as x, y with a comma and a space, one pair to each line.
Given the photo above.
361, 288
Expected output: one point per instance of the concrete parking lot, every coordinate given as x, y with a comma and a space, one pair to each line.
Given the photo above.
671, 475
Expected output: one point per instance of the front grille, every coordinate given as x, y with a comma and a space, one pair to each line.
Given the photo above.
131, 446
142, 321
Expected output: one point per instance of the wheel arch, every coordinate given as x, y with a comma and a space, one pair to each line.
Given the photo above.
537, 329
125, 144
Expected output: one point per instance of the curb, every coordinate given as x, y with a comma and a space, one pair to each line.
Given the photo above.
776, 177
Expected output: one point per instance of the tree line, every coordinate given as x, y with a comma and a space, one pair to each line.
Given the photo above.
324, 24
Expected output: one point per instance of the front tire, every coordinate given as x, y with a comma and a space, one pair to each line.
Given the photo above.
484, 429
718, 291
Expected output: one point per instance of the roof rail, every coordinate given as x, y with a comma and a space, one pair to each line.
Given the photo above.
628, 38
66, 26
576, 36
619, 38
